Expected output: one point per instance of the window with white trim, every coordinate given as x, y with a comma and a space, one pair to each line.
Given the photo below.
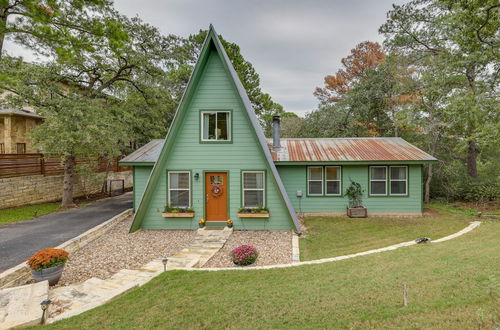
378, 180
315, 180
333, 180
398, 180
253, 189
216, 126
179, 186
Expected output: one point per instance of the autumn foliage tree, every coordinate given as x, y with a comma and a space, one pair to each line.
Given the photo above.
366, 55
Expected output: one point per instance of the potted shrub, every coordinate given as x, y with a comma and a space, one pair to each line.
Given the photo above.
230, 223
48, 264
244, 255
201, 223
355, 209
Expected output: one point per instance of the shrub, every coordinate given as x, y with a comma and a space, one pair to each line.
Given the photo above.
244, 255
354, 193
47, 258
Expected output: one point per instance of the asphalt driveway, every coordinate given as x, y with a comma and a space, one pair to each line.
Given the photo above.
19, 241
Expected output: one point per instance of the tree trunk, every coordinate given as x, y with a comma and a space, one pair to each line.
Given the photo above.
69, 179
3, 26
472, 159
427, 195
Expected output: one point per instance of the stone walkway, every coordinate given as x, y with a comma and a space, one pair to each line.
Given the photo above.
78, 298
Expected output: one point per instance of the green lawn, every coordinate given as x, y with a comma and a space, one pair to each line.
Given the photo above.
22, 213
452, 285
336, 236
26, 212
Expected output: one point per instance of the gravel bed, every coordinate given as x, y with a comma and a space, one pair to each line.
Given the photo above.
274, 247
117, 249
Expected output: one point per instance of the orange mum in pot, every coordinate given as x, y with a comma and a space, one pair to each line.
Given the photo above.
47, 258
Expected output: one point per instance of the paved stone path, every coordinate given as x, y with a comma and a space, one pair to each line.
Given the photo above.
78, 298
20, 240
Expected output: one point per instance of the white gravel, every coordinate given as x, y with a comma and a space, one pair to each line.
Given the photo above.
274, 247
117, 249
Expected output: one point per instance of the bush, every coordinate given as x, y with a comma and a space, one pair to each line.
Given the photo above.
47, 258
244, 255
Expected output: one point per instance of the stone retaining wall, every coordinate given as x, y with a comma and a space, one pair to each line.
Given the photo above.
18, 275
34, 189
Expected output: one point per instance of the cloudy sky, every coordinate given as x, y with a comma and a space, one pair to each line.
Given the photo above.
292, 44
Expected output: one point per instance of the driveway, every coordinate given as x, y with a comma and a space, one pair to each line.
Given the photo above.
19, 241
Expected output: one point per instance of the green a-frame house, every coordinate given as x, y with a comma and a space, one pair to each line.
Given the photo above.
216, 161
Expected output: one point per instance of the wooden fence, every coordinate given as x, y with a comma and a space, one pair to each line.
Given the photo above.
12, 165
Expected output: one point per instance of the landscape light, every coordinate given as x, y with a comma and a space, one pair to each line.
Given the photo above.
165, 260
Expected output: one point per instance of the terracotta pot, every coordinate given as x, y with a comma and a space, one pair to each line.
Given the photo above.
52, 274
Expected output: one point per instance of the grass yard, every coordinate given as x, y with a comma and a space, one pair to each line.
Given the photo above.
452, 285
335, 236
22, 213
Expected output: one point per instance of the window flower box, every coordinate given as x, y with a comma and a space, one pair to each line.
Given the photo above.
253, 215
257, 212
178, 215
178, 212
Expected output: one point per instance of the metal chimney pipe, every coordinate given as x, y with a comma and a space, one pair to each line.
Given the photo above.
276, 133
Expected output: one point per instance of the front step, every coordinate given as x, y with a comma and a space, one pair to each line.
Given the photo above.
75, 299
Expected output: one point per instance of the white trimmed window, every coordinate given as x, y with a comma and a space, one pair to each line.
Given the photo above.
254, 189
378, 180
398, 180
216, 126
333, 176
315, 180
179, 186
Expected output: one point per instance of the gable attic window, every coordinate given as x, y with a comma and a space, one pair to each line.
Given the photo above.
215, 126
179, 187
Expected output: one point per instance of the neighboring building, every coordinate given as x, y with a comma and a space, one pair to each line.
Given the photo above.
216, 160
15, 126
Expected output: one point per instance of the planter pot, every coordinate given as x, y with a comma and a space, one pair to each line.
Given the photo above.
201, 226
357, 212
52, 274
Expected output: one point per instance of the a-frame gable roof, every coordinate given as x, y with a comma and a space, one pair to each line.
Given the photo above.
212, 40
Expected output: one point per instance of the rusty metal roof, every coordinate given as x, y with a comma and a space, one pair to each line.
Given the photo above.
348, 149
318, 150
148, 153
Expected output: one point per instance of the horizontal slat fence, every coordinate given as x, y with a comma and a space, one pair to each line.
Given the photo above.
13, 165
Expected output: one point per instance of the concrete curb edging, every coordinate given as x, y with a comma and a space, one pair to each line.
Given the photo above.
19, 274
295, 248
473, 225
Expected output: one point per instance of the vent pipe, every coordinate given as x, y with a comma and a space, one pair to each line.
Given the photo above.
276, 133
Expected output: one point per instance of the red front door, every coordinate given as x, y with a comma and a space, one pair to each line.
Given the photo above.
216, 196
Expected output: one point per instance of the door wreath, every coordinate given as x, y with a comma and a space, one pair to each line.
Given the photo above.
216, 190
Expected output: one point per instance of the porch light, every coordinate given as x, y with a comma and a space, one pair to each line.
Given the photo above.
44, 305
196, 176
164, 261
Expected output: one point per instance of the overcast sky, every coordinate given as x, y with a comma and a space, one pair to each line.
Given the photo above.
292, 44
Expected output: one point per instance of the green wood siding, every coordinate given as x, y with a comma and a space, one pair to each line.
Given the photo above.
295, 178
141, 175
215, 91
